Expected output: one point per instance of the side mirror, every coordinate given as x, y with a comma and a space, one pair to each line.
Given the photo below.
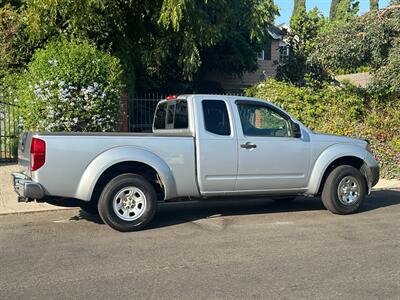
296, 131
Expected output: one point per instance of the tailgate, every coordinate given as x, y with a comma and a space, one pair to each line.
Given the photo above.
24, 152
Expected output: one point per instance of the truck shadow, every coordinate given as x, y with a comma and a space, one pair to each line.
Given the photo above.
170, 214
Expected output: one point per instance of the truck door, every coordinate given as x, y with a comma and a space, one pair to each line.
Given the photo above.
270, 158
216, 146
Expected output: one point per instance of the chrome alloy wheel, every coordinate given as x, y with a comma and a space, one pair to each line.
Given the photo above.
348, 190
129, 203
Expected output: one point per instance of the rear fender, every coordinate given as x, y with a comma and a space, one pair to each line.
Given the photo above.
124, 154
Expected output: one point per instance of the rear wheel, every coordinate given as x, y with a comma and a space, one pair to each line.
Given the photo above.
128, 202
344, 190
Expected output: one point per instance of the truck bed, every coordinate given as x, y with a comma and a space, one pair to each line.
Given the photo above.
69, 154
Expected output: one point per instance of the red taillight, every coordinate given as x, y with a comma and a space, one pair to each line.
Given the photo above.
172, 97
38, 153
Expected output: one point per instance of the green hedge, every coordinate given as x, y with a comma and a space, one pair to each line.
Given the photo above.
69, 86
344, 110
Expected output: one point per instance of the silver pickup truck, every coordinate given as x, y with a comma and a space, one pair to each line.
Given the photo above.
202, 146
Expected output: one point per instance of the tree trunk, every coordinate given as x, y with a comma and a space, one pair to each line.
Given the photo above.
373, 4
299, 5
332, 12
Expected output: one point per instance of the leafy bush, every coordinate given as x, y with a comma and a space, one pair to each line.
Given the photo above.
70, 86
342, 110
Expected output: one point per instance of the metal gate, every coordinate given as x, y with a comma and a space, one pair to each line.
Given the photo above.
141, 108
8, 132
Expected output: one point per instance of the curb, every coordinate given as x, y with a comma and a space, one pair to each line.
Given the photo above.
36, 211
394, 188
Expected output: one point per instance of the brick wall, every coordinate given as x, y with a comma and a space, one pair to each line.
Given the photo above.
124, 122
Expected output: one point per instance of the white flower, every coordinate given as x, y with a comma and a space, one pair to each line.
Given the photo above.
53, 62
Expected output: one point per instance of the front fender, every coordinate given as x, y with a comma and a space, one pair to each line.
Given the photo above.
326, 158
123, 154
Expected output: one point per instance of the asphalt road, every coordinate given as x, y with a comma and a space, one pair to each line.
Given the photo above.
217, 250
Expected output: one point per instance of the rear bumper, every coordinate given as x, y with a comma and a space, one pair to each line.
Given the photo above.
26, 188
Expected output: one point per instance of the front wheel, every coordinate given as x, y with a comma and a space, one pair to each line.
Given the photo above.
344, 190
128, 202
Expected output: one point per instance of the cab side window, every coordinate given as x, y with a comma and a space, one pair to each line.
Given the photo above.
259, 120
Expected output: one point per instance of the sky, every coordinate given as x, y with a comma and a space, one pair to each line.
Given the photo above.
286, 7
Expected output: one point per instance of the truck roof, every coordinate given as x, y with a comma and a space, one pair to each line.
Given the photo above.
218, 97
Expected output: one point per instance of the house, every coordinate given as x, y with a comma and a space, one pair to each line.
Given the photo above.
275, 52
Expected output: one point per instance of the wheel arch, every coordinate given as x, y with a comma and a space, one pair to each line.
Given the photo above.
334, 156
353, 161
121, 160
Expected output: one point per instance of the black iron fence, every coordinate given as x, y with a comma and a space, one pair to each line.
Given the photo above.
8, 132
141, 108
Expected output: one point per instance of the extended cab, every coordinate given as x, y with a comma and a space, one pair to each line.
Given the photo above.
202, 146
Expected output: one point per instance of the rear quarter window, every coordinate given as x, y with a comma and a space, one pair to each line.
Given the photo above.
216, 118
161, 114
181, 115
172, 115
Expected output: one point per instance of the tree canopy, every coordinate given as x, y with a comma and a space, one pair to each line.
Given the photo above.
157, 40
364, 41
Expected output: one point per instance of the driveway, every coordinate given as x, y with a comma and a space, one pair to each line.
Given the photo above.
214, 250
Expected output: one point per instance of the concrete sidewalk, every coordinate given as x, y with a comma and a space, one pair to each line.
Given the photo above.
385, 184
9, 204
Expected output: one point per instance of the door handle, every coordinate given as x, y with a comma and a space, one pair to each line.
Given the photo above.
248, 145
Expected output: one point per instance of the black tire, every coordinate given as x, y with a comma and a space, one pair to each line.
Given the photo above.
113, 188
90, 207
284, 200
330, 192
